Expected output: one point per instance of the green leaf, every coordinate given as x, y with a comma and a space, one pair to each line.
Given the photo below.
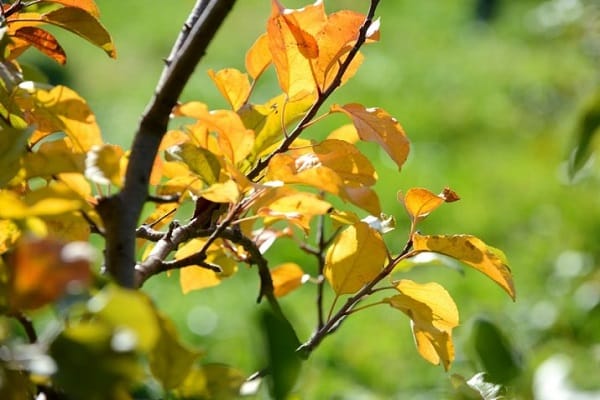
471, 251
284, 363
354, 259
498, 358
91, 364
12, 148
171, 361
587, 128
200, 161
83, 24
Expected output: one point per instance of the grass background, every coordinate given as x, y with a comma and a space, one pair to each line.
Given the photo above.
490, 109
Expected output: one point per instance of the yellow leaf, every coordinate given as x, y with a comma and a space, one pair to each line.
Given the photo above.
200, 161
52, 158
61, 110
233, 85
433, 314
83, 24
196, 277
226, 192
103, 165
9, 233
192, 109
292, 44
286, 278
354, 259
68, 227
268, 123
258, 57
12, 148
306, 169
376, 125
41, 271
471, 251
285, 203
346, 133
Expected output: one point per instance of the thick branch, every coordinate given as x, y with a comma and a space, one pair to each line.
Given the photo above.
121, 212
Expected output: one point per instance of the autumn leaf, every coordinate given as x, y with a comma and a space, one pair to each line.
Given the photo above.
43, 41
419, 202
354, 259
433, 314
196, 277
42, 271
292, 44
471, 251
86, 5
346, 133
52, 158
9, 233
200, 161
233, 85
286, 203
103, 165
60, 109
286, 278
376, 125
258, 57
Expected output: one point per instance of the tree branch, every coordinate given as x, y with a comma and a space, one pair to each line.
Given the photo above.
121, 212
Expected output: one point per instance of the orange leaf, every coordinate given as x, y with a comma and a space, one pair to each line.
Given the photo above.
376, 125
258, 58
419, 202
86, 5
43, 41
42, 271
472, 251
346, 133
292, 44
286, 278
433, 314
233, 85
335, 40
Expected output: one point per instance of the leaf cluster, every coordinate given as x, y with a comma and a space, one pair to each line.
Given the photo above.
252, 174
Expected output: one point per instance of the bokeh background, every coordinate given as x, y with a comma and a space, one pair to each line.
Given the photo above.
490, 99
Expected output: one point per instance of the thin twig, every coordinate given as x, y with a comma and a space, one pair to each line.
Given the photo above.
27, 325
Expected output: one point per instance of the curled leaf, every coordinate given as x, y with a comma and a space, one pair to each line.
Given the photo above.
419, 202
471, 251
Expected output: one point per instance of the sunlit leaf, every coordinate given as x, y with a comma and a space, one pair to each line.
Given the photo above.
211, 381
86, 5
288, 204
9, 233
225, 192
433, 314
335, 39
78, 21
354, 259
471, 251
61, 110
170, 360
346, 133
268, 123
286, 278
201, 161
12, 148
103, 165
196, 277
363, 197
52, 158
292, 44
419, 202
43, 41
258, 57
68, 227
233, 85
376, 125
42, 271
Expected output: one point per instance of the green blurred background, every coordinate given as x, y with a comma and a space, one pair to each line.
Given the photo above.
490, 104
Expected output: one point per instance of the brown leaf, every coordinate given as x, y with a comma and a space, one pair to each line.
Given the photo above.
43, 41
